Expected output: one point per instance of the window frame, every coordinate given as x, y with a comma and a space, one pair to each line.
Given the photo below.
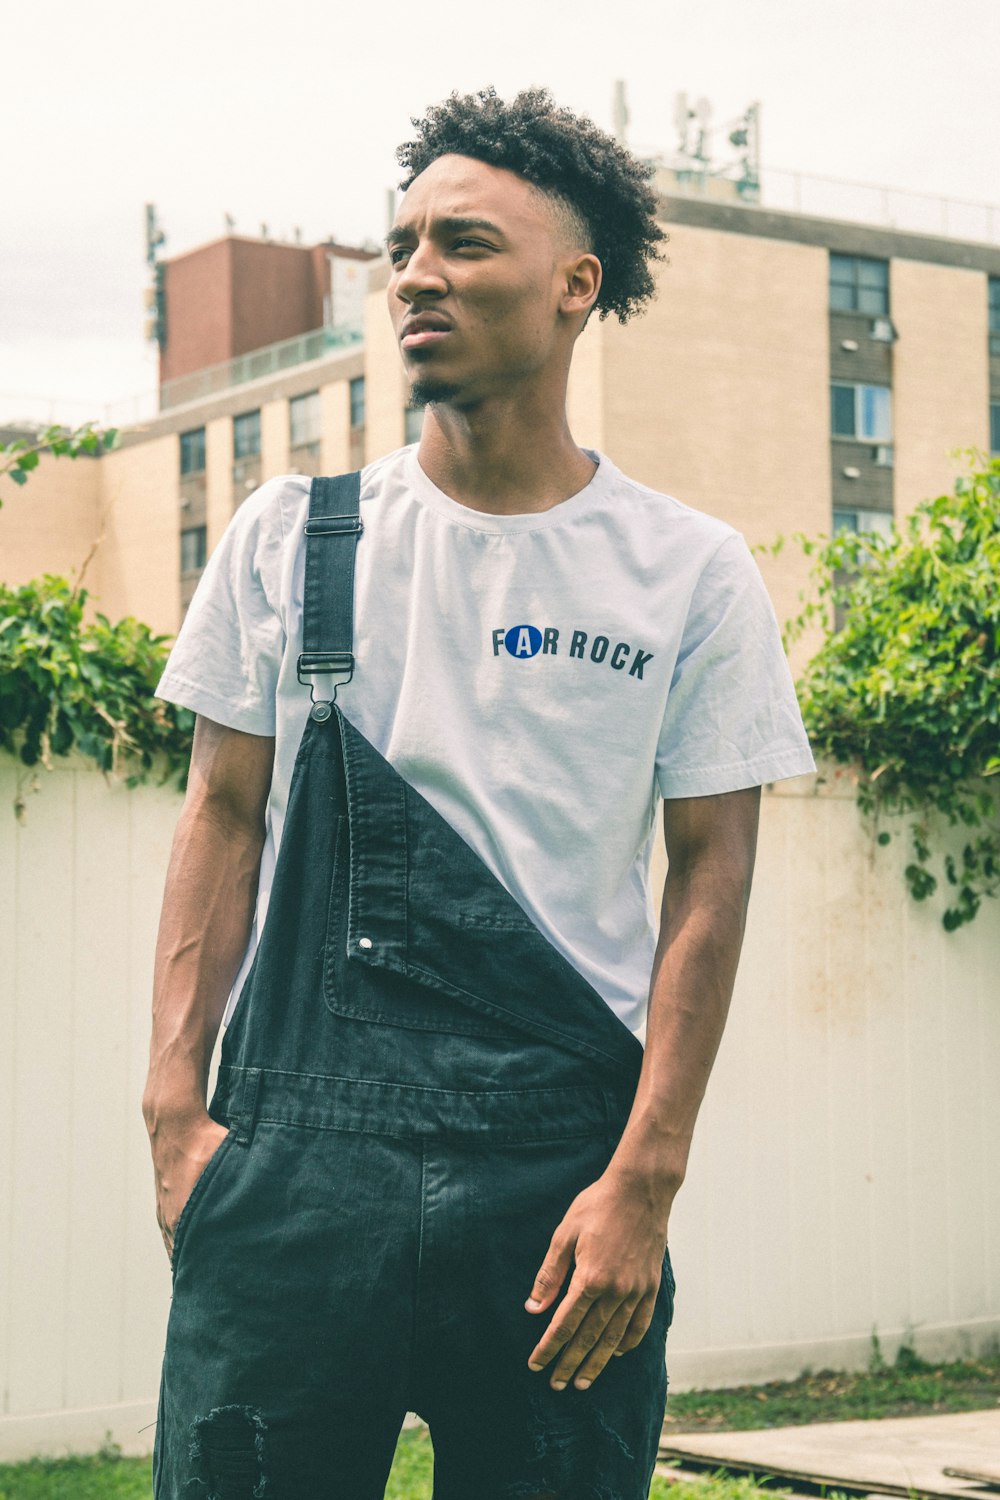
201, 551
186, 470
357, 401
860, 390
297, 404
855, 285
884, 517
243, 422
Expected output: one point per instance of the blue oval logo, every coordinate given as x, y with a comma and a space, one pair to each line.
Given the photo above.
523, 640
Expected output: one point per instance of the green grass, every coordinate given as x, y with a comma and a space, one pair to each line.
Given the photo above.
108, 1476
909, 1387
102, 1476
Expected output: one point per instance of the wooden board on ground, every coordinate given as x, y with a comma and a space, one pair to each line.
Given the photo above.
894, 1455
990, 1475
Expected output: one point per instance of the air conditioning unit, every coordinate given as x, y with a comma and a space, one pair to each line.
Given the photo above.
884, 455
883, 331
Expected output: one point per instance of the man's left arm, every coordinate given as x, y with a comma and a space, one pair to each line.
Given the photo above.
614, 1233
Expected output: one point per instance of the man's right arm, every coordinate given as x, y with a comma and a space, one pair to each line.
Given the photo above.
208, 908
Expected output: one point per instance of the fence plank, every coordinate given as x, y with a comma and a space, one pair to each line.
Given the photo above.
844, 1168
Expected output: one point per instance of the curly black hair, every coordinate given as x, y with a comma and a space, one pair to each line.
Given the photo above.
605, 188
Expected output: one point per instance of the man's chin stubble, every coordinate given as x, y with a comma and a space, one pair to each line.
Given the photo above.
426, 391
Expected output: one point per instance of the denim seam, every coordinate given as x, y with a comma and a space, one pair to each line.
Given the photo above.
497, 1134
572, 1091
519, 1022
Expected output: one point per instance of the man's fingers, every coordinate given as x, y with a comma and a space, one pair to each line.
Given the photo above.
638, 1326
608, 1341
552, 1273
576, 1305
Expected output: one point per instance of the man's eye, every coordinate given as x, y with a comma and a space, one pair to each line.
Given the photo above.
396, 254
476, 244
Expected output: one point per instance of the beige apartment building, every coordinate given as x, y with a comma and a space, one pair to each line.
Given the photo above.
794, 373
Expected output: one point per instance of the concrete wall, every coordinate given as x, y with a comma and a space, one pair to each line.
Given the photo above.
119, 515
940, 375
139, 556
719, 393
386, 386
841, 1177
50, 524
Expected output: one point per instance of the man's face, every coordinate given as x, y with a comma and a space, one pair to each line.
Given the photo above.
478, 272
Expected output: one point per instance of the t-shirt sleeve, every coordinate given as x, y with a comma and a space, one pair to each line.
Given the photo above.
731, 719
227, 656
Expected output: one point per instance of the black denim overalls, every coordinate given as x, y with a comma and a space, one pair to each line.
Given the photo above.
416, 1085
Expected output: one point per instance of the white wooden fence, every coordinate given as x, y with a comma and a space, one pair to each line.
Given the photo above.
844, 1176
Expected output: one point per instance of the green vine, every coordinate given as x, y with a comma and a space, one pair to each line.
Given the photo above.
68, 684
906, 685
20, 456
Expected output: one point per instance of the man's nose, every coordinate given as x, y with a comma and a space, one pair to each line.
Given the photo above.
422, 275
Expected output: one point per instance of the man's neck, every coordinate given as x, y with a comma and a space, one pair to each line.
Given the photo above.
503, 461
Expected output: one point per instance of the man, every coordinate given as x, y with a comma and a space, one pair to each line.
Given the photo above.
432, 738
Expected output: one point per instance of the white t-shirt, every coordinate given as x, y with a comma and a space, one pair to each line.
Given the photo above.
541, 679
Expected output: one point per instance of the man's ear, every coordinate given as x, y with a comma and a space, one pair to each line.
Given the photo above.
582, 285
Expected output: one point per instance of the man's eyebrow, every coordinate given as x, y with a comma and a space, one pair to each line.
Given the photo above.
400, 234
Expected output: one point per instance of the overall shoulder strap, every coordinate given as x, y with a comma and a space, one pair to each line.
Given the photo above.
332, 532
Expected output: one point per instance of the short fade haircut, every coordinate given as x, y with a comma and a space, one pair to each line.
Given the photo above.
604, 188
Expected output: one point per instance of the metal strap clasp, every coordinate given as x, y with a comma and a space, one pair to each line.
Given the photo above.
314, 664
333, 525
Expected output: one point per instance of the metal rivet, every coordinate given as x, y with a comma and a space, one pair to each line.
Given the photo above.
364, 943
320, 712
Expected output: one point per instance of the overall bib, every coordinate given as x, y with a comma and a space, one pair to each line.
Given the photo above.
416, 1085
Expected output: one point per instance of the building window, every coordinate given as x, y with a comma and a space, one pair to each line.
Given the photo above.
879, 521
246, 435
194, 548
995, 427
994, 315
859, 285
358, 402
413, 424
193, 451
861, 411
303, 419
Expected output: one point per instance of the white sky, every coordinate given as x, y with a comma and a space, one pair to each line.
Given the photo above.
288, 113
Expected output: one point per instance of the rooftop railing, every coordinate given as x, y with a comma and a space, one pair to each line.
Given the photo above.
784, 190
270, 360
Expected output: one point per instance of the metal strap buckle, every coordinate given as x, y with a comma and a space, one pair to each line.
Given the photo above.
333, 525
313, 664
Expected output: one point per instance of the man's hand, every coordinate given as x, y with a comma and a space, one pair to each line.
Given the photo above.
616, 1231
181, 1151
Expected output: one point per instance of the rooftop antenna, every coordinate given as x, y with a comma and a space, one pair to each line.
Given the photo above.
619, 111
155, 236
230, 223
747, 135
682, 122
702, 112
155, 297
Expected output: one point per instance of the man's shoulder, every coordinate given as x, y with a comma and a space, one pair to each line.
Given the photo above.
279, 507
665, 514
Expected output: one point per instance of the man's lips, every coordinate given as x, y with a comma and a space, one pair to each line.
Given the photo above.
420, 330
423, 337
